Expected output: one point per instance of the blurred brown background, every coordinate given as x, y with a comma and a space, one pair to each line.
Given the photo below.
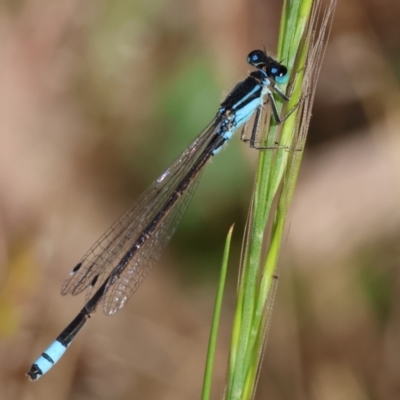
96, 99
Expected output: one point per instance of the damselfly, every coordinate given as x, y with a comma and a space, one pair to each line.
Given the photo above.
114, 267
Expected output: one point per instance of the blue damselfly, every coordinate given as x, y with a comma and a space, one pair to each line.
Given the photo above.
114, 267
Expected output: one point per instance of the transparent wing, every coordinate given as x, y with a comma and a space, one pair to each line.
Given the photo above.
141, 264
105, 254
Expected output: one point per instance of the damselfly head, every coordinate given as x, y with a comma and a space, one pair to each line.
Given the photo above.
274, 70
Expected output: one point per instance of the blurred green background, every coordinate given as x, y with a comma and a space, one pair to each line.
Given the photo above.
98, 98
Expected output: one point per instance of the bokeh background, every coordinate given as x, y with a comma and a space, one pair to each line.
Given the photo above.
96, 99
